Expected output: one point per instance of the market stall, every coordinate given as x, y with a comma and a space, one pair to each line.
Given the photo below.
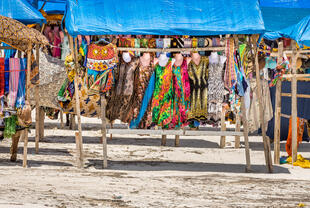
22, 38
166, 18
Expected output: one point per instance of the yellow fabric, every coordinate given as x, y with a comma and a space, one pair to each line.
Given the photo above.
302, 162
51, 17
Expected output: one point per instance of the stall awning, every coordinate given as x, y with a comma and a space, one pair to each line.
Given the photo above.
299, 32
163, 17
20, 10
280, 14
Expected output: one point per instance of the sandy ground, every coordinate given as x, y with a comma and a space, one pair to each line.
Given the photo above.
141, 173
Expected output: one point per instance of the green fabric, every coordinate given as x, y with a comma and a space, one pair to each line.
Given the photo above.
10, 126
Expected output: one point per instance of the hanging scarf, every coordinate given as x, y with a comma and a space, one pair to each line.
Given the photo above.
6, 76
300, 132
230, 73
14, 77
20, 101
2, 80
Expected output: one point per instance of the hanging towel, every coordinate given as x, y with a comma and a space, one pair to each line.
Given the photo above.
14, 76
6, 75
2, 81
20, 101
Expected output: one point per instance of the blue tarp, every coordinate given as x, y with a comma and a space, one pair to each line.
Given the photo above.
21, 10
280, 14
299, 32
50, 6
163, 17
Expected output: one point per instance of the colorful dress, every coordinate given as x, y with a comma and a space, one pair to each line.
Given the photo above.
180, 96
198, 78
216, 89
162, 104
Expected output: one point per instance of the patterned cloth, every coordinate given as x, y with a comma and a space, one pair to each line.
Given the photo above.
14, 77
198, 78
21, 93
2, 80
162, 96
119, 105
215, 87
48, 67
101, 61
19, 35
180, 98
230, 75
6, 75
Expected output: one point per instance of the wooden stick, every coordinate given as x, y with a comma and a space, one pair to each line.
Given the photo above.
79, 148
62, 125
277, 113
104, 132
111, 135
223, 128
77, 98
177, 140
294, 103
261, 114
41, 123
245, 134
37, 100
171, 49
297, 75
237, 138
297, 95
28, 99
163, 140
6, 47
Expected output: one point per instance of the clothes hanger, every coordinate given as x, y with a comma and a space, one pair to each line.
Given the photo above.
102, 40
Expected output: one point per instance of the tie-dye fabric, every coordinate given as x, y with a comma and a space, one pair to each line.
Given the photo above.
163, 94
20, 101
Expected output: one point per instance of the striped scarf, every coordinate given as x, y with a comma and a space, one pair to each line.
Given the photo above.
14, 77
20, 101
2, 80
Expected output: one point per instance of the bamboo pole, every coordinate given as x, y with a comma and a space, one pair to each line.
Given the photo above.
294, 103
177, 140
277, 113
171, 49
79, 139
41, 123
37, 99
104, 132
163, 140
246, 136
266, 141
62, 126
28, 99
297, 95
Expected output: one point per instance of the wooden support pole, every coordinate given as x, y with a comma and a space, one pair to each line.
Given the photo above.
62, 125
77, 101
163, 140
246, 136
37, 99
223, 128
79, 147
237, 138
41, 123
28, 99
294, 102
104, 132
277, 113
111, 135
72, 122
177, 140
267, 149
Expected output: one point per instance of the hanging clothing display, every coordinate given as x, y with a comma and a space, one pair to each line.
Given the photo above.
180, 95
6, 76
21, 93
65, 48
48, 67
14, 77
101, 61
2, 80
215, 86
162, 95
198, 78
254, 121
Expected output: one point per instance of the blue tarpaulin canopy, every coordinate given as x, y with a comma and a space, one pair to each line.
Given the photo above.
299, 32
280, 14
163, 17
20, 10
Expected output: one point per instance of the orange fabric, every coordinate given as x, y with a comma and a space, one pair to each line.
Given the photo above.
300, 131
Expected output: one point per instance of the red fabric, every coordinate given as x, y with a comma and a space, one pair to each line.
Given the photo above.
2, 81
300, 131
